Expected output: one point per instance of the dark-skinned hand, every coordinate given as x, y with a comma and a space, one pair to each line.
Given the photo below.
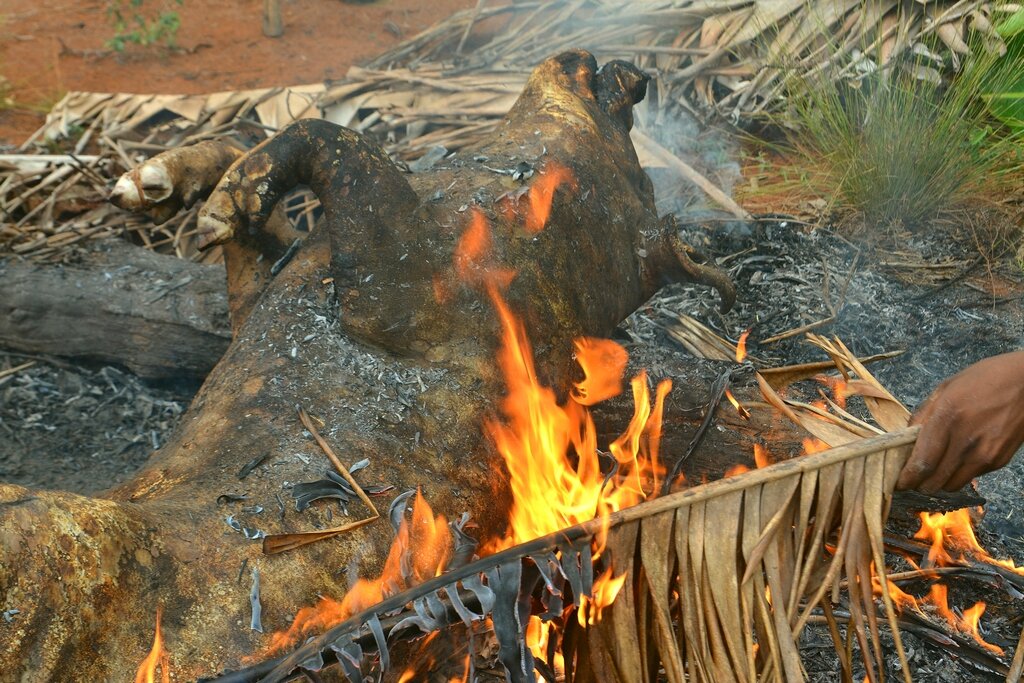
972, 424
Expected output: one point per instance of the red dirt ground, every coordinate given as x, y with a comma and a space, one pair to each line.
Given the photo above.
48, 47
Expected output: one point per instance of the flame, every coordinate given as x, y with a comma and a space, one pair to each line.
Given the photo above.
157, 657
606, 588
953, 532
971, 623
937, 602
420, 551
472, 257
740, 410
813, 445
741, 347
735, 470
604, 364
542, 194
761, 457
838, 387
538, 438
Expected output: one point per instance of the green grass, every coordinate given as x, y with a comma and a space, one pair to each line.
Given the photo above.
901, 150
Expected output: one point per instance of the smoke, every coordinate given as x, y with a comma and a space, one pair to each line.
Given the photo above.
708, 148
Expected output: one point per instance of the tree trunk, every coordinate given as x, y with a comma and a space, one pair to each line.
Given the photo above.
158, 316
373, 329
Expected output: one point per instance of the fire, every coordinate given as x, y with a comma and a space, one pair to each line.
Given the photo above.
542, 194
420, 551
157, 657
604, 364
741, 347
550, 450
761, 457
812, 445
740, 410
606, 588
839, 388
735, 470
953, 531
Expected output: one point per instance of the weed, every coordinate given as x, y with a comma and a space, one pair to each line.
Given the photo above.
900, 144
133, 24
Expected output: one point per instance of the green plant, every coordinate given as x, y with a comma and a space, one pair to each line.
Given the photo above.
133, 24
904, 142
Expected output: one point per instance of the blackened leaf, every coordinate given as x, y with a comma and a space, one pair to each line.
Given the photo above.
359, 465
382, 643
436, 607
467, 616
256, 624
306, 492
233, 523
586, 570
570, 563
225, 498
509, 629
341, 481
251, 465
396, 513
547, 565
465, 545
315, 662
350, 656
484, 595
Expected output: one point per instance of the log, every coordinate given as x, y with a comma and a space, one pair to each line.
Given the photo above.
384, 338
118, 304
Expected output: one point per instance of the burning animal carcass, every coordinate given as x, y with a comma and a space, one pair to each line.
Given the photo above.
380, 334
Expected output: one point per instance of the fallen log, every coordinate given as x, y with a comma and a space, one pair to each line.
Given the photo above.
371, 328
117, 304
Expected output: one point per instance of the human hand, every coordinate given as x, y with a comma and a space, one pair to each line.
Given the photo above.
972, 423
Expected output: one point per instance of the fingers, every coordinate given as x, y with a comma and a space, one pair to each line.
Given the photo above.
960, 458
929, 449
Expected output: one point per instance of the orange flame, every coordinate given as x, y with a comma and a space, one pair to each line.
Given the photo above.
542, 194
741, 347
420, 551
551, 489
472, 257
839, 388
157, 657
812, 445
735, 470
604, 363
761, 457
605, 590
740, 410
953, 532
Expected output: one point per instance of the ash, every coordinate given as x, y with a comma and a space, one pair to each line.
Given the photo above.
78, 429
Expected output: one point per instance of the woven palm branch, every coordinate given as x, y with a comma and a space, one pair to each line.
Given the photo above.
720, 580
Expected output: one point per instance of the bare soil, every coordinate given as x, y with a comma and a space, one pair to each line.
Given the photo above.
48, 47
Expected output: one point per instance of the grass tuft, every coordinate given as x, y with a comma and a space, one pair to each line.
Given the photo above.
904, 143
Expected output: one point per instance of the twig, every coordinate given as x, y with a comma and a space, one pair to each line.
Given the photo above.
691, 174
718, 390
1017, 666
799, 330
16, 369
278, 543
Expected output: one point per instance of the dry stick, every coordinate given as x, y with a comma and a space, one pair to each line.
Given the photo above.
278, 543
1017, 666
688, 172
16, 369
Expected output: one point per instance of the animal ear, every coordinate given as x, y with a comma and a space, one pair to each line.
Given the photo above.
619, 86
576, 69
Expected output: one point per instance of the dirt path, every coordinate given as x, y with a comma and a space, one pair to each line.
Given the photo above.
48, 47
